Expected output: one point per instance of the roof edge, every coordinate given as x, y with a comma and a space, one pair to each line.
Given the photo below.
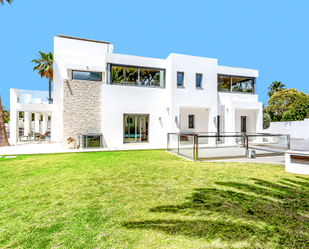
81, 39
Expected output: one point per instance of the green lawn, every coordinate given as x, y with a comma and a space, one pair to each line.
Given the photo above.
149, 199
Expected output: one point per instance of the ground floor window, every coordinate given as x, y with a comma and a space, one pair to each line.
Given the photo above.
191, 121
90, 141
136, 128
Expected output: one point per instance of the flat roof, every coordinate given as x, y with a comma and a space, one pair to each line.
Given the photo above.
81, 39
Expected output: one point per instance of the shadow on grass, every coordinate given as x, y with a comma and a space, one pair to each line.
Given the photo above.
261, 212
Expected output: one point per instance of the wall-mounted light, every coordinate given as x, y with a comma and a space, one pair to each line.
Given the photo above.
215, 119
160, 118
176, 118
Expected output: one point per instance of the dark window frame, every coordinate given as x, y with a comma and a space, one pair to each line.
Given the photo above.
191, 123
201, 82
87, 72
231, 81
131, 115
183, 79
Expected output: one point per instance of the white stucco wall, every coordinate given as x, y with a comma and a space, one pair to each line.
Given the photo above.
296, 129
72, 54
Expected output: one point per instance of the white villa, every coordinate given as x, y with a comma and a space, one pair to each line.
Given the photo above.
106, 99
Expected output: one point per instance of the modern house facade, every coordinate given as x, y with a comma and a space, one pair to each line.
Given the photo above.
123, 99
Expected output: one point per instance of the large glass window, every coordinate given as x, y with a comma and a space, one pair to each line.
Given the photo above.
137, 76
180, 77
198, 79
85, 75
135, 128
235, 84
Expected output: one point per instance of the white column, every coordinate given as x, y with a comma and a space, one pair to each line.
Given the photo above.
44, 123
37, 118
27, 123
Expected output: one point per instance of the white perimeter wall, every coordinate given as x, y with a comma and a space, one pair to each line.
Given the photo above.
296, 129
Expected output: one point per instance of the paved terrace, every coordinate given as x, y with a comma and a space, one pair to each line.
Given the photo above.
54, 148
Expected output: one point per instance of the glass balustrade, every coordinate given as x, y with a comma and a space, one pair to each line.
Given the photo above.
214, 145
34, 97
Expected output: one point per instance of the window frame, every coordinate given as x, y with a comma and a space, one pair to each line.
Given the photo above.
231, 84
183, 79
193, 123
72, 71
124, 124
110, 79
201, 83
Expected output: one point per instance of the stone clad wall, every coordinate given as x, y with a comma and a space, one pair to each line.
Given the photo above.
82, 108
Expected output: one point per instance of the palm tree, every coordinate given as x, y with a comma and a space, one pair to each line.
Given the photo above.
275, 86
3, 136
9, 1
45, 68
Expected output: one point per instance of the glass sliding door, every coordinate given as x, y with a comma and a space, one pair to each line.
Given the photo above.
135, 128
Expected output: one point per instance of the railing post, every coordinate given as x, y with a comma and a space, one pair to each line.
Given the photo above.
247, 145
178, 142
217, 139
194, 155
196, 148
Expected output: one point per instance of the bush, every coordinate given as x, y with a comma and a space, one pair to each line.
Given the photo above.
266, 120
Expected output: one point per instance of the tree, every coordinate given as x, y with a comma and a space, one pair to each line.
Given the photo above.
45, 68
3, 136
6, 115
298, 110
285, 101
274, 87
266, 120
9, 1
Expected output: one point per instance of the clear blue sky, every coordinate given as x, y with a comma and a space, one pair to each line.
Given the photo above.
270, 36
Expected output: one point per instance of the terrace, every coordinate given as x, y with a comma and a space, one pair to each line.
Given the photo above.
214, 145
33, 114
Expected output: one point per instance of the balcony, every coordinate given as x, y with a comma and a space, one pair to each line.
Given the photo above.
34, 97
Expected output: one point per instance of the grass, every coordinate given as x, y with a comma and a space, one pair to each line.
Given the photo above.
149, 199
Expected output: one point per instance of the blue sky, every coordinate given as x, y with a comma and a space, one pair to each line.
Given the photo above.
270, 36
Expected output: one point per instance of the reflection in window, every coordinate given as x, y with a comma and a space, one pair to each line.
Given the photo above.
150, 77
118, 75
224, 83
85, 75
235, 84
242, 84
131, 75
135, 128
137, 76
198, 80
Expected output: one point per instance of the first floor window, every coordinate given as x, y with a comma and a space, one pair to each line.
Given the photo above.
198, 80
180, 77
191, 121
136, 128
139, 76
235, 84
86, 75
